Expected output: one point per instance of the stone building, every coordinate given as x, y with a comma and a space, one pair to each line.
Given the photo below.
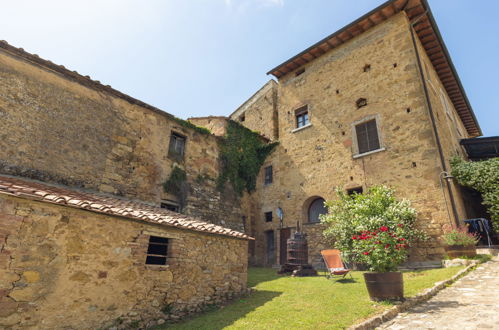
92, 179
377, 102
89, 236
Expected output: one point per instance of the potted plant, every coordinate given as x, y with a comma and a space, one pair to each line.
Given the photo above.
460, 243
377, 230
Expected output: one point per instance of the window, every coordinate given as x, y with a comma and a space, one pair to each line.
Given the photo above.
170, 206
268, 216
367, 136
302, 117
356, 190
315, 209
177, 146
242, 118
157, 251
268, 175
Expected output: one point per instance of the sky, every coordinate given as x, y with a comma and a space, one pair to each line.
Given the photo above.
196, 58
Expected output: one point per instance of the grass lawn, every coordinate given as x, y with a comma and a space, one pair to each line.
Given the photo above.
283, 302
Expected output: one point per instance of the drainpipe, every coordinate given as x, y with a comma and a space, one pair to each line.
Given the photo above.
433, 123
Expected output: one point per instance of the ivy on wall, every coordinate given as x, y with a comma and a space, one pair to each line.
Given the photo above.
177, 184
482, 176
242, 154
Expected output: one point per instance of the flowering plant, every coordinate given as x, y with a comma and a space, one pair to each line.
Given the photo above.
460, 236
382, 249
373, 228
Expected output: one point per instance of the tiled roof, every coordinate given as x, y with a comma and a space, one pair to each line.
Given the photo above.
108, 205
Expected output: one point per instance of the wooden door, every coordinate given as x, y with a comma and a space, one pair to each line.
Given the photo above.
283, 239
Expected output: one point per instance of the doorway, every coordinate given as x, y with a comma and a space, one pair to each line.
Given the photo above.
285, 234
270, 247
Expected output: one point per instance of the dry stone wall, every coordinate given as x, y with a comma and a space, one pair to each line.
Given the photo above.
67, 268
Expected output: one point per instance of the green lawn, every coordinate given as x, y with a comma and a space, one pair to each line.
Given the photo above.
283, 302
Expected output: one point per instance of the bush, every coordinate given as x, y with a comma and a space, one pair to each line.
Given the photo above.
372, 228
460, 236
482, 176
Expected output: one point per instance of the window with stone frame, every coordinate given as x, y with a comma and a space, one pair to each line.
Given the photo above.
268, 216
268, 175
316, 209
367, 136
356, 190
157, 250
302, 118
177, 146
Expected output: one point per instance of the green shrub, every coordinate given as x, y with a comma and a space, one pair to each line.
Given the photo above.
482, 176
460, 236
372, 228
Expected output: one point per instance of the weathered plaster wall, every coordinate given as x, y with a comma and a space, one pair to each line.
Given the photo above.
316, 160
57, 130
67, 268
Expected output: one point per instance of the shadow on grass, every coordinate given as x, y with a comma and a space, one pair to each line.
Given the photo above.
221, 317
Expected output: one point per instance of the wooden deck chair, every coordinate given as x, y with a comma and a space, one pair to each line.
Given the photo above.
334, 264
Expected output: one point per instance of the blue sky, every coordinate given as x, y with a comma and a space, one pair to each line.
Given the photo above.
206, 57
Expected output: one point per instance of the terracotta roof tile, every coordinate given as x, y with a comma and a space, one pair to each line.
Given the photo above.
29, 189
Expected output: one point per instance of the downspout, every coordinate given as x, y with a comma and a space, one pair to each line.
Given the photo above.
433, 123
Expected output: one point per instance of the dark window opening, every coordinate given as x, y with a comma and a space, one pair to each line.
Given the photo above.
268, 216
302, 117
367, 136
299, 72
315, 209
362, 102
177, 146
356, 190
268, 175
157, 250
367, 68
242, 118
170, 206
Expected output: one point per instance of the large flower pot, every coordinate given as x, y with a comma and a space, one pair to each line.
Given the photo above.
456, 251
385, 286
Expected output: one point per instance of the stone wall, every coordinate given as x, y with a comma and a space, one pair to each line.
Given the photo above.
379, 65
72, 131
62, 268
259, 112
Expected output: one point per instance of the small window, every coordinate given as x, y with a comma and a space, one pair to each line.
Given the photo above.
242, 118
367, 136
268, 216
268, 175
356, 190
302, 117
170, 206
315, 209
177, 146
157, 251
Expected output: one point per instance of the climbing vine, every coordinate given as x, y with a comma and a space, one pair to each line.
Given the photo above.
242, 154
482, 176
177, 184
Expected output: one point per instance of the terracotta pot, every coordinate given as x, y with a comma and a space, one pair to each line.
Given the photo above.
456, 251
385, 286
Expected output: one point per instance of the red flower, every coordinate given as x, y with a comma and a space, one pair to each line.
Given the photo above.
401, 239
387, 246
400, 225
365, 253
383, 228
354, 237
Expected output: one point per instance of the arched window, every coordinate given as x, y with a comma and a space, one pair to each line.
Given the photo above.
315, 209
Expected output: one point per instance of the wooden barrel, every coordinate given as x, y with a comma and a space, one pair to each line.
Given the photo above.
297, 250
